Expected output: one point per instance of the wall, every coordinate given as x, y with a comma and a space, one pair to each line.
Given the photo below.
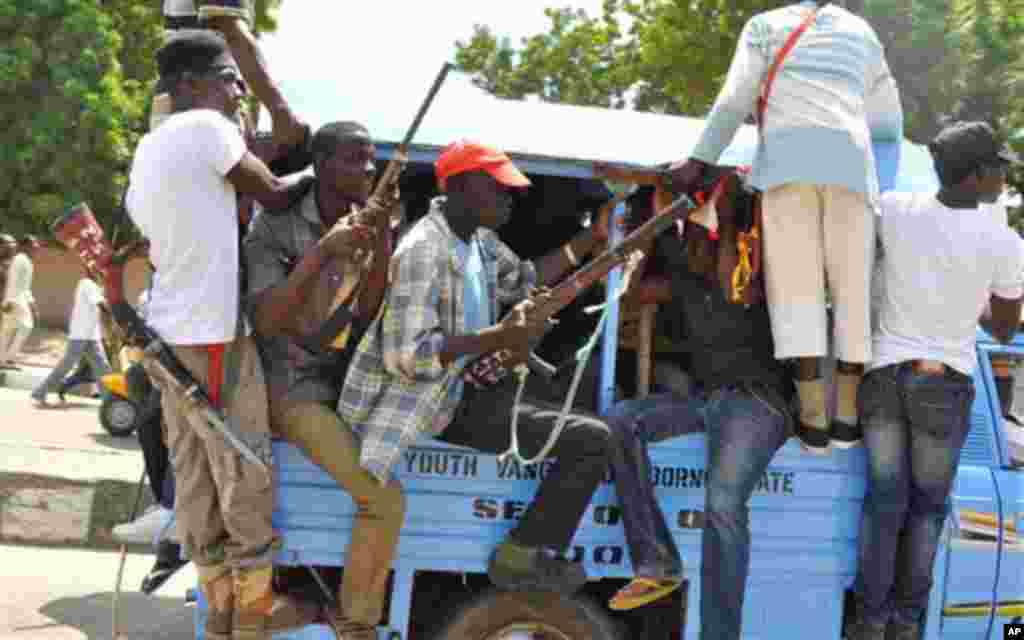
57, 273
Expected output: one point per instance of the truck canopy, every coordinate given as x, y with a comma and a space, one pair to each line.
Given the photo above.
557, 139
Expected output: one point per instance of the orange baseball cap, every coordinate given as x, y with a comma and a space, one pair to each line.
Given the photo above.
464, 155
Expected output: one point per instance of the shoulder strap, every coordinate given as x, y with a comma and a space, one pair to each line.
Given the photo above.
766, 86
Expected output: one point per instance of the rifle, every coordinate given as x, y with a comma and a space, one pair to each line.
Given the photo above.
337, 330
79, 232
489, 369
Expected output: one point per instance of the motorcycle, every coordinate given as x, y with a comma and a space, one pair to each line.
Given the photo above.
128, 397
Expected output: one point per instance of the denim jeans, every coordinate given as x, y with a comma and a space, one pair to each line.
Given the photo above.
633, 424
743, 434
90, 350
914, 428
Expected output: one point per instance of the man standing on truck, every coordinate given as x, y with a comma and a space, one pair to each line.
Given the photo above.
832, 96
297, 259
184, 180
743, 402
943, 260
449, 277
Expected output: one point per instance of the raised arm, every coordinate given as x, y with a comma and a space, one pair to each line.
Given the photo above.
288, 129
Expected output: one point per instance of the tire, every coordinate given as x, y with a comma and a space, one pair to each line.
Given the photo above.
118, 416
528, 615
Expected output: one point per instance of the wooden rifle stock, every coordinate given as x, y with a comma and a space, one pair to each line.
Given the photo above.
489, 369
337, 330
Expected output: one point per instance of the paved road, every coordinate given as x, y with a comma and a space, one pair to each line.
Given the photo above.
65, 441
62, 594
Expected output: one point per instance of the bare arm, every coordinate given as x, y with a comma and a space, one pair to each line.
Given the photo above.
569, 256
252, 177
485, 341
288, 129
1002, 318
274, 307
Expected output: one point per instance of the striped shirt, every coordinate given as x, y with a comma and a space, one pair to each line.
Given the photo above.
832, 96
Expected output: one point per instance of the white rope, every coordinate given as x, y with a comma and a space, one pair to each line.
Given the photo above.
582, 359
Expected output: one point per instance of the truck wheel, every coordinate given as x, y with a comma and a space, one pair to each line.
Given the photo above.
528, 615
118, 415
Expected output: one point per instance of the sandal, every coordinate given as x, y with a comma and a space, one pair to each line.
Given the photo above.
641, 591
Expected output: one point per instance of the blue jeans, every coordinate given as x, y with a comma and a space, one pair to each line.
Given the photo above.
914, 427
76, 351
743, 434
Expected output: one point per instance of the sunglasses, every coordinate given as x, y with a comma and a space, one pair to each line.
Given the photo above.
229, 76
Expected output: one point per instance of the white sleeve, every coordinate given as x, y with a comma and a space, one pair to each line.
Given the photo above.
738, 96
220, 142
1008, 282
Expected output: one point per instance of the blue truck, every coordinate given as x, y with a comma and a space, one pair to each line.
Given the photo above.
805, 513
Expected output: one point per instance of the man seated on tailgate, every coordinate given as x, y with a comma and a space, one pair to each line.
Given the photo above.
298, 258
450, 275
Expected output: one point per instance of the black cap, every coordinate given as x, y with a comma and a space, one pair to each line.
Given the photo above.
195, 51
970, 145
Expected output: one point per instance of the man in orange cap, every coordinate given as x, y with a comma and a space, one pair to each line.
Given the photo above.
450, 275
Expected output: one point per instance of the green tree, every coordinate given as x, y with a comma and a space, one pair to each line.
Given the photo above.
76, 79
951, 58
69, 116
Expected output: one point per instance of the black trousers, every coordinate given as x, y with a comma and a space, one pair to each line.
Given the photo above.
482, 422
155, 456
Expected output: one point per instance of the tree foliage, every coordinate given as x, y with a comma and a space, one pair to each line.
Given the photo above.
951, 58
667, 57
76, 79
71, 114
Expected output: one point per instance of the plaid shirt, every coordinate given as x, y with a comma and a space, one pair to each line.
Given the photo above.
396, 387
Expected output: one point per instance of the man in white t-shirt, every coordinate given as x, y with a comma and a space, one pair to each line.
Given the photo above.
19, 307
183, 186
85, 340
944, 261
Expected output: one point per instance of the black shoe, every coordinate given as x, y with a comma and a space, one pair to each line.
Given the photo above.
515, 567
813, 441
846, 436
168, 561
60, 396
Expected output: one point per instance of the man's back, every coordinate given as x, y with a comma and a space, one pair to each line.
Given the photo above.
832, 91
183, 203
85, 318
939, 266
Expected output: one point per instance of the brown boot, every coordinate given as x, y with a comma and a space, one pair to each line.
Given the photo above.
219, 590
259, 612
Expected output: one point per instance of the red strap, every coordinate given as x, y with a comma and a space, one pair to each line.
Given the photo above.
766, 87
215, 374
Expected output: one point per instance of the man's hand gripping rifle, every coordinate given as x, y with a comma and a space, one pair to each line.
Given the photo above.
490, 368
337, 332
79, 232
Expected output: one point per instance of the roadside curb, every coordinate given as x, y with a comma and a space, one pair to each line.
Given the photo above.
51, 511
